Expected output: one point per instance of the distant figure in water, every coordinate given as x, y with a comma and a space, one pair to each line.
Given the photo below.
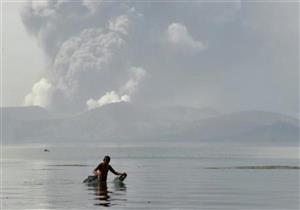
102, 169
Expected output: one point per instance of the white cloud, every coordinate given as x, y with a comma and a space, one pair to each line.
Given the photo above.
41, 94
108, 98
178, 35
119, 24
136, 74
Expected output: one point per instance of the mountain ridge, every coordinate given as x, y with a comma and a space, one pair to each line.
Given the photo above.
122, 122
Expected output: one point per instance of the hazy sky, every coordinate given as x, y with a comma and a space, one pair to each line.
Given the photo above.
230, 56
23, 60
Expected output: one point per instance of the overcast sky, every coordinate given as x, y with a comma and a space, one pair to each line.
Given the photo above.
230, 56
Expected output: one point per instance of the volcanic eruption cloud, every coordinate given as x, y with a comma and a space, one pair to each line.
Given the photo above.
102, 52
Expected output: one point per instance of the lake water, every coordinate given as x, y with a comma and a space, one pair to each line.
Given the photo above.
175, 176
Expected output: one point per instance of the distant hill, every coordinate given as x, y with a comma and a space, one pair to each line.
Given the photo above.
126, 122
247, 127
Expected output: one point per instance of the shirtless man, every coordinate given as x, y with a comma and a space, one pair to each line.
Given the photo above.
102, 169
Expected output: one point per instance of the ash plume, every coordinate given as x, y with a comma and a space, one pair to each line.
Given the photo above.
99, 52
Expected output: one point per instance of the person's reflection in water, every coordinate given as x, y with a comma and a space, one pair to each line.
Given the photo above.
102, 194
105, 196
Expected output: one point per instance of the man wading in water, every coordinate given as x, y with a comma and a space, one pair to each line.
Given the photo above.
102, 169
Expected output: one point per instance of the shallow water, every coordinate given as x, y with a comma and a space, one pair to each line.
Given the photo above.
165, 177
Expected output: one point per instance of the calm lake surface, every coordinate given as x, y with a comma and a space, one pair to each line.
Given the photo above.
171, 176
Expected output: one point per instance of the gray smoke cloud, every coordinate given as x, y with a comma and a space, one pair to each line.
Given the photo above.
86, 60
192, 53
93, 49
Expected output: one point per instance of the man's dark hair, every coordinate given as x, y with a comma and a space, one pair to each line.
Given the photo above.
106, 157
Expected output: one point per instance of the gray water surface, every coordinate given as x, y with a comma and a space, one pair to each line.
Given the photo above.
165, 177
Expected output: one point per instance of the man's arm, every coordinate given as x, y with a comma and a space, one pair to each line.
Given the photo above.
113, 171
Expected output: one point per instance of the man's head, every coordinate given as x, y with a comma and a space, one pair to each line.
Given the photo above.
106, 159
